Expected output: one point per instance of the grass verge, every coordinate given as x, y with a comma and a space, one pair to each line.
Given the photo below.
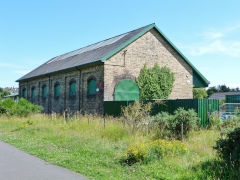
83, 145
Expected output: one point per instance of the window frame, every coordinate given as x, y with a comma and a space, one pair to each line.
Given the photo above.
55, 85
70, 83
88, 88
44, 86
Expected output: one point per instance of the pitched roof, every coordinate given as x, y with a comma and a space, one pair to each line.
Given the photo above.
100, 52
222, 95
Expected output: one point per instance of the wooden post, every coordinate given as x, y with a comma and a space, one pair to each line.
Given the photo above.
182, 131
104, 121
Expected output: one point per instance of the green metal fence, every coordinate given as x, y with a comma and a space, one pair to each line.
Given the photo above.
233, 98
203, 107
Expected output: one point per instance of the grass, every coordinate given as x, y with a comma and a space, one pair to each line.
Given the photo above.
83, 145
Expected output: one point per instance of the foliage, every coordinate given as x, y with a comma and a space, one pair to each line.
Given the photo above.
188, 118
162, 125
214, 120
79, 145
171, 125
137, 115
145, 152
155, 82
3, 93
137, 153
221, 88
199, 93
228, 148
22, 108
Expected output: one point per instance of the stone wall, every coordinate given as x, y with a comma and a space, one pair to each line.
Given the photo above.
149, 49
80, 102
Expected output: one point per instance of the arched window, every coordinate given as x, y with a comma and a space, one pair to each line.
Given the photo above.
72, 88
33, 95
44, 91
24, 93
57, 90
92, 86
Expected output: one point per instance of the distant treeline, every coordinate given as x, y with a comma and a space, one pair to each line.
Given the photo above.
221, 88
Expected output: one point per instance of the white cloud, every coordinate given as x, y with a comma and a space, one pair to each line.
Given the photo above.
230, 48
215, 42
212, 35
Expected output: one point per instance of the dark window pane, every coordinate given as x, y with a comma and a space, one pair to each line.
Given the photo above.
72, 89
92, 87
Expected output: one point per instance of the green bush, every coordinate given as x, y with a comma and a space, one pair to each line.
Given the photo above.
161, 123
214, 120
145, 152
199, 93
22, 108
137, 115
188, 118
228, 148
170, 125
155, 82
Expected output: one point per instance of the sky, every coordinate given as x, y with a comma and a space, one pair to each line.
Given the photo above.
207, 32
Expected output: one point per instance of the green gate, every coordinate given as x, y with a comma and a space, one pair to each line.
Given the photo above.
126, 90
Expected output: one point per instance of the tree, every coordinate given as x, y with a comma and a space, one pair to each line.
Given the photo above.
199, 93
3, 93
155, 82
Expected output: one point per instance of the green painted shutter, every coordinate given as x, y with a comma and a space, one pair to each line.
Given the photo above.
92, 87
33, 93
72, 89
126, 90
57, 90
44, 91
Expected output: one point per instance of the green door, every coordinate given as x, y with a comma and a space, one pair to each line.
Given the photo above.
126, 90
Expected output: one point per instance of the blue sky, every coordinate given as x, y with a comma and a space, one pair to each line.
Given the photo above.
32, 32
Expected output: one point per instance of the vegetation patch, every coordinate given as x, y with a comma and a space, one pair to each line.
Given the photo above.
22, 108
155, 82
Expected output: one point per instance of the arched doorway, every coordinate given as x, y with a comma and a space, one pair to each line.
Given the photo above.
126, 90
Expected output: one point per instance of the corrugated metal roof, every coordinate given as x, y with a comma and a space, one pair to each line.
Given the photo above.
86, 55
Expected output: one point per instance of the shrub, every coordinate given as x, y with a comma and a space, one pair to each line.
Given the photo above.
137, 115
161, 122
165, 148
170, 125
231, 123
155, 82
145, 152
214, 120
137, 153
22, 108
188, 118
199, 93
228, 148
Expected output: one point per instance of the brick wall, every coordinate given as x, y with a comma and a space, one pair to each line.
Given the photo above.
150, 48
81, 101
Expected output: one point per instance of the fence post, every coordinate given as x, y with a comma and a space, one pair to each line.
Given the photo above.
182, 131
104, 120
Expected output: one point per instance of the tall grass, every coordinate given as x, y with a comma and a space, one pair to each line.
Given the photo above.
84, 144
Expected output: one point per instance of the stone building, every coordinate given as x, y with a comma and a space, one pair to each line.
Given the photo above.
83, 79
